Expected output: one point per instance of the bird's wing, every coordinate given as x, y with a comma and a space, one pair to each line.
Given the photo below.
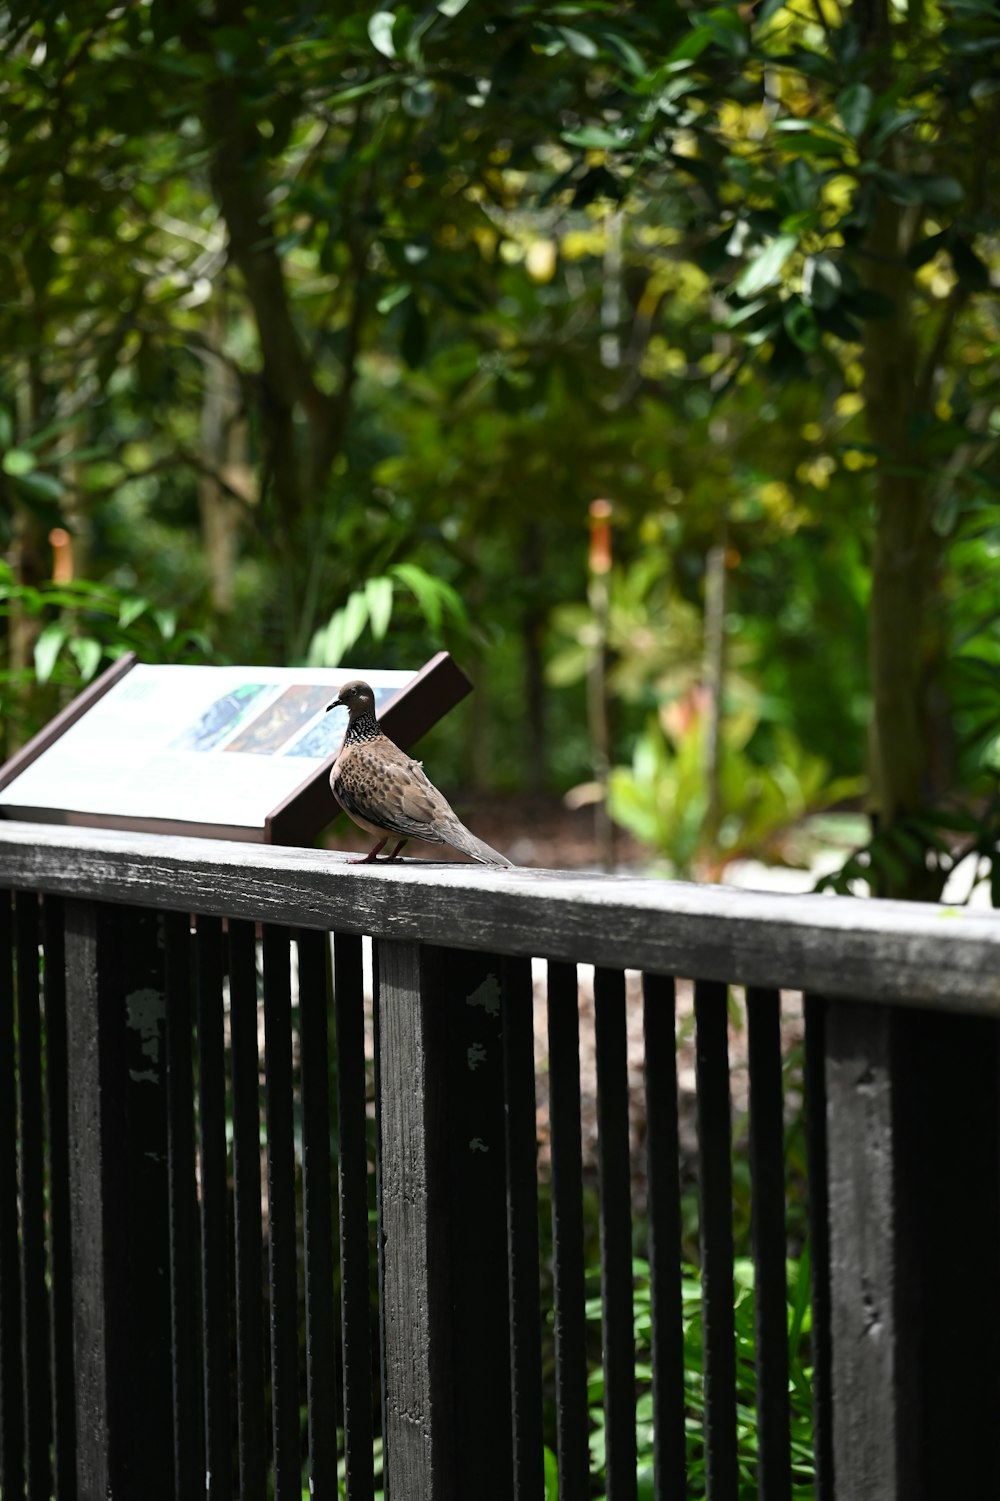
379, 784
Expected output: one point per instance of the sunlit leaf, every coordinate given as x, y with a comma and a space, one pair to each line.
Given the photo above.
378, 592
18, 461
578, 41
47, 649
130, 610
766, 267
87, 654
380, 27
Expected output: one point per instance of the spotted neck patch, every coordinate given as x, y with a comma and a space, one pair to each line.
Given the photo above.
364, 727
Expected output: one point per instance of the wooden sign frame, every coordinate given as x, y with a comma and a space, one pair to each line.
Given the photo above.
413, 709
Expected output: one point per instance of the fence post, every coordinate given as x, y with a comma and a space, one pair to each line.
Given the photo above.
119, 1203
914, 1214
443, 1228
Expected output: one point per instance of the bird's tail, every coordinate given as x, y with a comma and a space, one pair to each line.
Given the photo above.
462, 839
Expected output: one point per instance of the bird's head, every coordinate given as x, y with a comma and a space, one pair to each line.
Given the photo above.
356, 697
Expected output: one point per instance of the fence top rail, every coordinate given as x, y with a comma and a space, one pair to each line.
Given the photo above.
906, 952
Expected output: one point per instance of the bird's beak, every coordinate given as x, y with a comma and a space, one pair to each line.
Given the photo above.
335, 703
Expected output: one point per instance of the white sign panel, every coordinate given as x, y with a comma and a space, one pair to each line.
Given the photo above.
207, 745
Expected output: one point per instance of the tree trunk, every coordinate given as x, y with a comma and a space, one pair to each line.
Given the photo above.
903, 562
532, 623
223, 446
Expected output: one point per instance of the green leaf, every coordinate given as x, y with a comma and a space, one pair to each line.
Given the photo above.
130, 610
920, 188
692, 46
729, 30
380, 32
427, 591
451, 7
18, 461
418, 99
764, 13
821, 281
379, 592
355, 618
889, 125
578, 41
44, 488
766, 267
625, 52
393, 297
598, 137
6, 427
47, 649
943, 192
88, 653
854, 106
801, 325
925, 250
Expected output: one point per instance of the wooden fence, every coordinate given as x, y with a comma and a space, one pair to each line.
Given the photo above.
148, 1352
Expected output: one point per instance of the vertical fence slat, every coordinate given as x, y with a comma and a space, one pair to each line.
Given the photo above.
11, 1381
214, 1234
522, 1229
663, 1188
614, 1171
383, 1353
95, 1058
185, 1301
449, 1428
142, 1216
278, 1096
321, 1396
63, 1414
814, 1082
37, 1388
865, 1330
354, 1260
569, 1290
421, 1426
767, 1172
716, 1202
250, 1409
118, 1195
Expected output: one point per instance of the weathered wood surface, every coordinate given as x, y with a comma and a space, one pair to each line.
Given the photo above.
115, 1012
904, 952
446, 1306
913, 1162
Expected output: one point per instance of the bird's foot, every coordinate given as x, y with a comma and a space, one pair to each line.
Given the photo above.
372, 856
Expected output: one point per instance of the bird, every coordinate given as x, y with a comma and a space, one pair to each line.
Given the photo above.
388, 794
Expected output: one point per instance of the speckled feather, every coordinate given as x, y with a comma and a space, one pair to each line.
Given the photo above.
388, 793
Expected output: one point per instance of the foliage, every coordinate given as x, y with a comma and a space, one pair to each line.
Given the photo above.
800, 1380
299, 298
84, 628
662, 797
371, 608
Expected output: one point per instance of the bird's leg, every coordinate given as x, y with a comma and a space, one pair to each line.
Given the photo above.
371, 857
396, 851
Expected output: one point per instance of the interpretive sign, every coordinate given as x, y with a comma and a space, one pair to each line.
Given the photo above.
226, 752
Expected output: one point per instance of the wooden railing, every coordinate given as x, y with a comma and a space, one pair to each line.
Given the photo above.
145, 1354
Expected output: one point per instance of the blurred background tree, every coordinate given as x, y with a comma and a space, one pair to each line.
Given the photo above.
315, 321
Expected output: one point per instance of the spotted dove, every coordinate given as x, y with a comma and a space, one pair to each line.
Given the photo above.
386, 793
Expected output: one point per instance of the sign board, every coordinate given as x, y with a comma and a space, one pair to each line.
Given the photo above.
225, 752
